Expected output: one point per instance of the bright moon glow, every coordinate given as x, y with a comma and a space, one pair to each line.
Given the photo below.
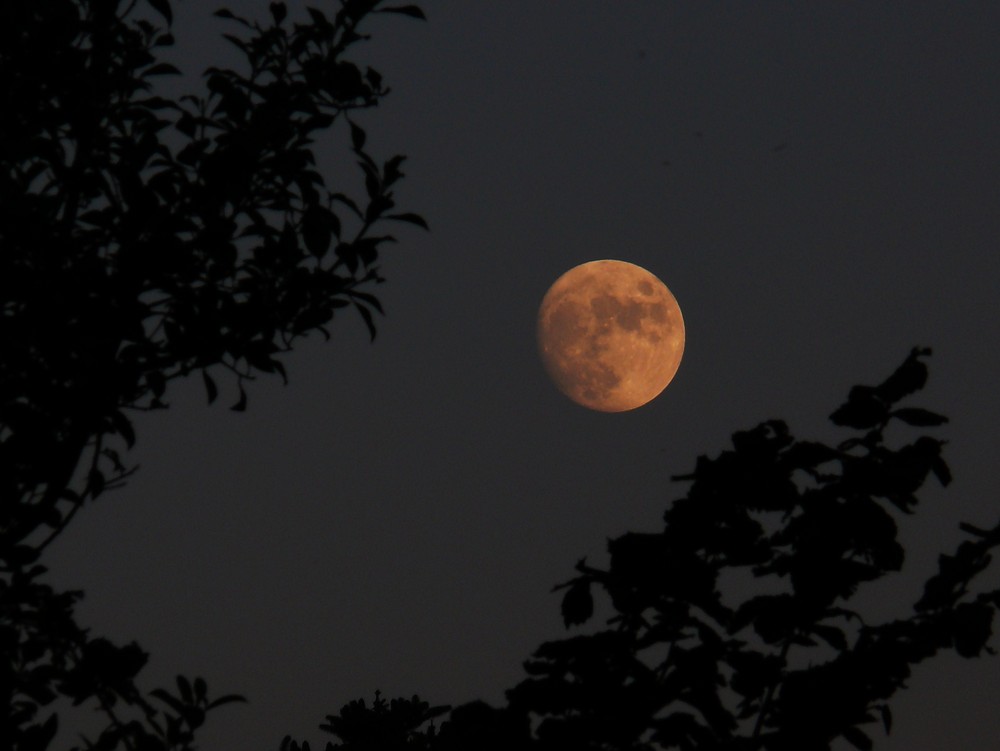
611, 335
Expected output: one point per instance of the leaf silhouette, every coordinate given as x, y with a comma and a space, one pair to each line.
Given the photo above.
412, 11
577, 604
919, 417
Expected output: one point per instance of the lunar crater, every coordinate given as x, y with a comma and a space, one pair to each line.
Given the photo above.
611, 335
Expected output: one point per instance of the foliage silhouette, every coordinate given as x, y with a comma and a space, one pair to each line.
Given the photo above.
145, 239
385, 726
738, 626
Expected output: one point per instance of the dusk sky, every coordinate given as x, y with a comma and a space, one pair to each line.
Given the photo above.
817, 183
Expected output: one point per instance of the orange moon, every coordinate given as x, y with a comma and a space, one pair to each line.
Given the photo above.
611, 335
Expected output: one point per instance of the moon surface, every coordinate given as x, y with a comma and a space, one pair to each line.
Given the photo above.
611, 335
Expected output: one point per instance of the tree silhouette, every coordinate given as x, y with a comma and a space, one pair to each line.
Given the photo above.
737, 626
145, 239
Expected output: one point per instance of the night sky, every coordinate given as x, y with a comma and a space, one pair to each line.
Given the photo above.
817, 183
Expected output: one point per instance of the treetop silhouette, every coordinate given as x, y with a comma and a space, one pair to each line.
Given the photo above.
738, 626
789, 661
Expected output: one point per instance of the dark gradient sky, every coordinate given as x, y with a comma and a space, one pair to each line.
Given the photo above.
817, 183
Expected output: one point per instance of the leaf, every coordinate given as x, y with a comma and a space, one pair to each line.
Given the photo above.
167, 699
411, 218
919, 417
346, 253
278, 12
373, 183
116, 460
40, 736
227, 699
831, 635
972, 625
810, 454
333, 221
210, 388
864, 409
316, 230
200, 689
405, 10
241, 405
773, 616
858, 739
186, 125
278, 368
368, 298
194, 716
52, 517
346, 84
163, 8
578, 603
123, 427
366, 315
941, 471
378, 205
156, 383
184, 686
886, 713
358, 136
348, 202
391, 167
319, 18
95, 483
907, 379
374, 78
236, 41
367, 249
22, 555
161, 69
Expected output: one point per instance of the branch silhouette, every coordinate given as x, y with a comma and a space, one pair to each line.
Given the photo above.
145, 239
738, 626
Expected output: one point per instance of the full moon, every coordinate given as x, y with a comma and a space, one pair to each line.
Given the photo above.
611, 335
